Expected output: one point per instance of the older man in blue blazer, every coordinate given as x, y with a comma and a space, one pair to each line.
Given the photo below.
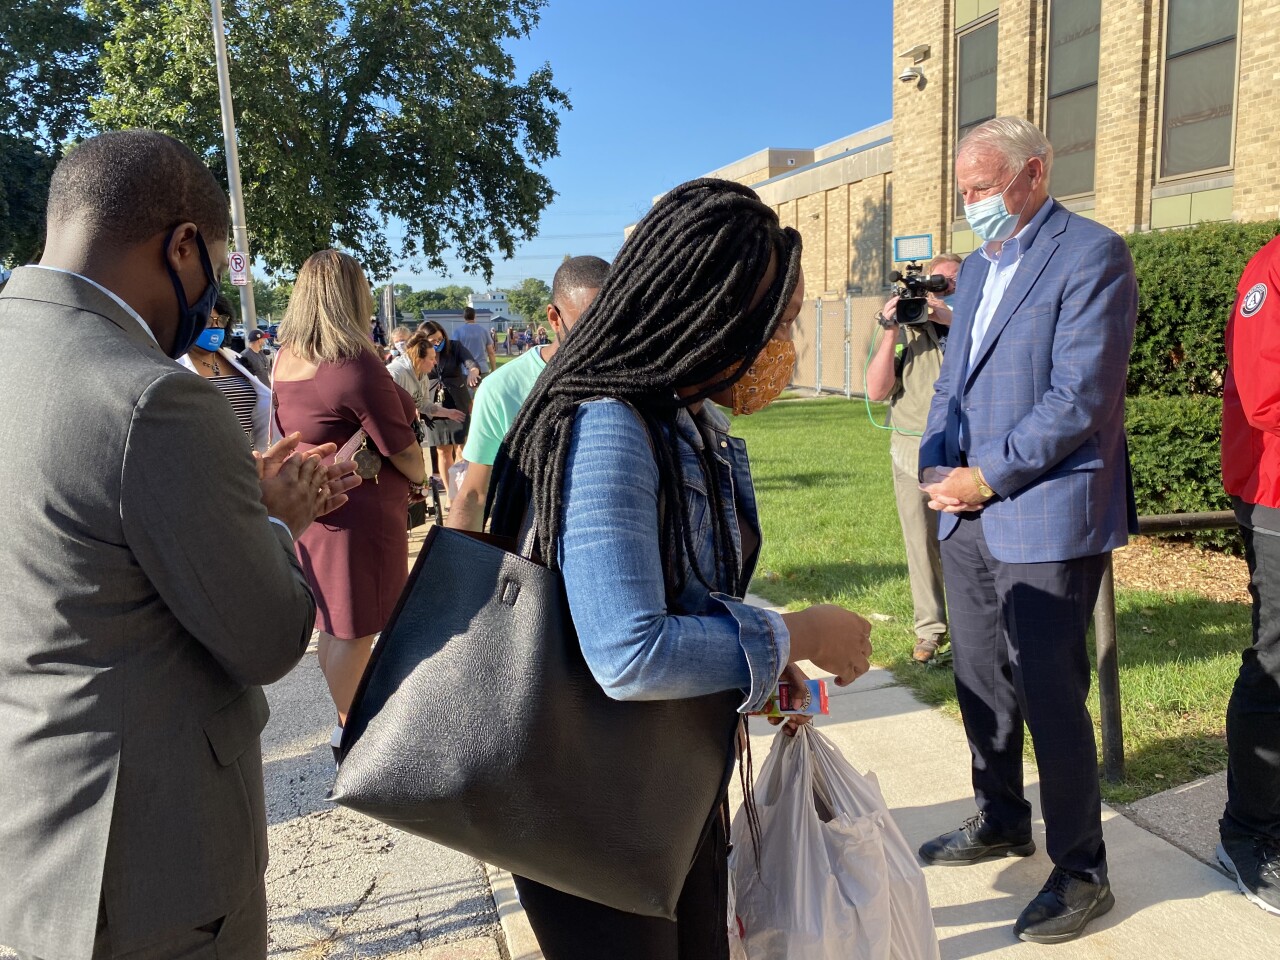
1024, 454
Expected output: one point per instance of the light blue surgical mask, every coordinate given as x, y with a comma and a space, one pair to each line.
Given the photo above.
949, 299
990, 218
211, 338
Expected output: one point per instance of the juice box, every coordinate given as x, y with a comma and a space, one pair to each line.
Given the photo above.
809, 700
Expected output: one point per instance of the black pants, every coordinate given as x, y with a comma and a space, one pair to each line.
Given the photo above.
1018, 636
570, 928
1253, 714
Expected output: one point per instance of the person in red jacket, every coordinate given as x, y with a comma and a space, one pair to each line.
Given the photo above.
1250, 825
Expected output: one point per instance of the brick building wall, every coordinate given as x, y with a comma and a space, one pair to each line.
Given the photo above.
849, 198
1257, 158
1128, 74
1129, 194
923, 116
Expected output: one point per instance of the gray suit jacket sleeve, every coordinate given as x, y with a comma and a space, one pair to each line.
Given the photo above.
199, 532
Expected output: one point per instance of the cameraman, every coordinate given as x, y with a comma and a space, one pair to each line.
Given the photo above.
902, 370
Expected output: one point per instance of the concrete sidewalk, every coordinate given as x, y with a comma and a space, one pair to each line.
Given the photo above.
343, 886
1169, 904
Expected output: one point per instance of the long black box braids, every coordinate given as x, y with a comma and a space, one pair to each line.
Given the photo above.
676, 312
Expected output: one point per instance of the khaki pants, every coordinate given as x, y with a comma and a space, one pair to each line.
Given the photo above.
920, 536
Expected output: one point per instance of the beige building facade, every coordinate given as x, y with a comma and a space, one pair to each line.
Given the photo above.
1162, 113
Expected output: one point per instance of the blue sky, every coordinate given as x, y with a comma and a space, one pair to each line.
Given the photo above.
664, 91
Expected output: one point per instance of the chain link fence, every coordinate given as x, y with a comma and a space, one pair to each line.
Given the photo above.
832, 338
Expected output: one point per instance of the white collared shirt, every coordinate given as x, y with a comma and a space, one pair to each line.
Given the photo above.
93, 283
1000, 271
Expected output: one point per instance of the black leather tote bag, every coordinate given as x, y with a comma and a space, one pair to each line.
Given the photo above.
479, 725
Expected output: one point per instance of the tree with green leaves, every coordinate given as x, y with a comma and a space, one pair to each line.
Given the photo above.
530, 299
412, 303
450, 297
270, 298
351, 113
24, 190
48, 70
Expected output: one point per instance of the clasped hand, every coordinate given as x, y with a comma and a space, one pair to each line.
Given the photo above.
952, 490
298, 487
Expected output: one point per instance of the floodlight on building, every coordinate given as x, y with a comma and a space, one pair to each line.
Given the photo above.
918, 54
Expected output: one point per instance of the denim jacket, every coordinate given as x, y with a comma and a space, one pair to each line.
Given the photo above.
610, 557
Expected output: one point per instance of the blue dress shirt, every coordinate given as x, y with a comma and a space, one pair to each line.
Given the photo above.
1000, 271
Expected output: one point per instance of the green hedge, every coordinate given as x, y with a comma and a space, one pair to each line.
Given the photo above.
1186, 287
1174, 453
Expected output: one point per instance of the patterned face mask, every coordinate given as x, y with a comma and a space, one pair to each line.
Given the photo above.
765, 379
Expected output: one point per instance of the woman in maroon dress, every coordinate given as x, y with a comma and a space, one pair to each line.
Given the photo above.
329, 384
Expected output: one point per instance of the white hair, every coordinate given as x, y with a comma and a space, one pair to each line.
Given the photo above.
1014, 139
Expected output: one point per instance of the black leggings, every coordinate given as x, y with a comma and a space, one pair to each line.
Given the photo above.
570, 928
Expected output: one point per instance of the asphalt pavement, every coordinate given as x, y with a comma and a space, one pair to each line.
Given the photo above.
340, 885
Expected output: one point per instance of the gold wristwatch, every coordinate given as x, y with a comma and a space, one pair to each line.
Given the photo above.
984, 491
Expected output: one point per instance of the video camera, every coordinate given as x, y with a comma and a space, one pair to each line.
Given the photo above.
912, 292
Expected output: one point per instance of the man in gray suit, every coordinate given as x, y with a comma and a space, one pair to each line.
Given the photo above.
130, 704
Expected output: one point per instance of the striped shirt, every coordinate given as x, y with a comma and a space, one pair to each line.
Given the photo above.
242, 397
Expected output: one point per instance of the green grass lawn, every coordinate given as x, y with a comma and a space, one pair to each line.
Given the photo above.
825, 487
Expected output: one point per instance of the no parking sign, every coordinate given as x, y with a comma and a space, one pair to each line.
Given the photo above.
239, 264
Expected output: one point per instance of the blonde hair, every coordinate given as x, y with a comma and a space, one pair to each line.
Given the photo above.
329, 311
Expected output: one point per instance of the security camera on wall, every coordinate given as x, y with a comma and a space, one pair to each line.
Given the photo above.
911, 75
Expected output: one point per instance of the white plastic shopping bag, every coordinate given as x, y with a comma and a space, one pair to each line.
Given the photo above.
836, 879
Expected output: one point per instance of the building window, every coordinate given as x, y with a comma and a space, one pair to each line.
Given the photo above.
1072, 122
1199, 86
976, 89
976, 96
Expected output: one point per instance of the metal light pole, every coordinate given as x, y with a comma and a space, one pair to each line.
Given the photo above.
239, 232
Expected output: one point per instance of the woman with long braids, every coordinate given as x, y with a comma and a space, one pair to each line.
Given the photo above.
645, 504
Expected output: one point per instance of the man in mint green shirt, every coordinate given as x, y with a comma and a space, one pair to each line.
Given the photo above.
502, 393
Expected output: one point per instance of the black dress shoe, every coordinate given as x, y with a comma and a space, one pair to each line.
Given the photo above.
1062, 908
974, 840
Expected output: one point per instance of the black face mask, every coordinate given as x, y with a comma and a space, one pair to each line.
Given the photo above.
192, 319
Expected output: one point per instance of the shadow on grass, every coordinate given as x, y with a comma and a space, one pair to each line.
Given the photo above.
821, 582
1153, 629
1165, 763
784, 483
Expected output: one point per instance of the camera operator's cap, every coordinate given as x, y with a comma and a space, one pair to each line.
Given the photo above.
256, 335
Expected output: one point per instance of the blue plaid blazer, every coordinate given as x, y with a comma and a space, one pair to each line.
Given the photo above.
1041, 410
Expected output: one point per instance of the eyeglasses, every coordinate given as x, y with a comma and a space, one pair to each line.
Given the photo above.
435, 341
